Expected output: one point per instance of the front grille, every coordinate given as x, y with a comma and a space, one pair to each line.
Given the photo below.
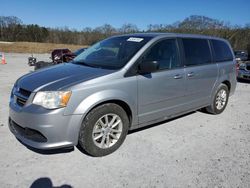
20, 101
24, 92
27, 133
21, 96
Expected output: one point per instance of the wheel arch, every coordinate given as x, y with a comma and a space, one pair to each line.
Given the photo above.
128, 103
217, 84
228, 84
118, 102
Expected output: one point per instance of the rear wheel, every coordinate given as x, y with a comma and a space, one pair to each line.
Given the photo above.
103, 130
220, 100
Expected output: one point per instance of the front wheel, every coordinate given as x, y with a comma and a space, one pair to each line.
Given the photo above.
220, 100
103, 130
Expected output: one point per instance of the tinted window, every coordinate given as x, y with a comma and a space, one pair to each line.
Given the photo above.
196, 51
166, 53
222, 51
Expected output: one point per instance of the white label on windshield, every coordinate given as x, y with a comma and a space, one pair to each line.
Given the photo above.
134, 39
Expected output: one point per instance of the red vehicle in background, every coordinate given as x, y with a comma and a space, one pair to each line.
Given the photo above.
57, 56
68, 56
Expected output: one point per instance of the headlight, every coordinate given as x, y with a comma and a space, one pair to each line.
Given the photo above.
52, 99
13, 91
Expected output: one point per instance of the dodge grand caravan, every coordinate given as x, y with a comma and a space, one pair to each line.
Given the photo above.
119, 84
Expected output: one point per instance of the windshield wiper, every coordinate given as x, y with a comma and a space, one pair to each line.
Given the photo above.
80, 62
85, 64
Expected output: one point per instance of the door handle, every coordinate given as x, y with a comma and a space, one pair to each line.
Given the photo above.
177, 76
191, 74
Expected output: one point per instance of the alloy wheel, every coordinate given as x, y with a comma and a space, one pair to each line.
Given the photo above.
107, 131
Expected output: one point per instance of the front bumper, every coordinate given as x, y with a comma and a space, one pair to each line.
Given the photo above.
243, 74
44, 129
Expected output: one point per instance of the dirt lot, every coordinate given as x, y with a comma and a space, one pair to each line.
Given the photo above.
196, 150
34, 47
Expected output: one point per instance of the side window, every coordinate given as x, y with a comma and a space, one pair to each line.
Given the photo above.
166, 53
222, 51
197, 51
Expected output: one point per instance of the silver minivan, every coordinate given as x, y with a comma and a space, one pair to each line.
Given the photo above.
119, 84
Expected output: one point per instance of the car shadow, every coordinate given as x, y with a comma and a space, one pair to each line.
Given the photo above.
243, 81
162, 122
83, 151
46, 182
70, 149
50, 151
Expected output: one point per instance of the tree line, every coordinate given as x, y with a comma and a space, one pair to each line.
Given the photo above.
13, 29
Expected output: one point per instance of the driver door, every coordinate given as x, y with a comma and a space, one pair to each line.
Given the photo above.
162, 93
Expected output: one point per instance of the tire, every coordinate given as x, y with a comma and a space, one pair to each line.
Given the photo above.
97, 136
219, 103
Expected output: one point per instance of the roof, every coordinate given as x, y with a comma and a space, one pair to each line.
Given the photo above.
153, 35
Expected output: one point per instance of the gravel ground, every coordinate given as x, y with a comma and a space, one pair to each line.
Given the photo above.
196, 150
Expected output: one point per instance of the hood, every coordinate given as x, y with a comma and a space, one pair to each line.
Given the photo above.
60, 76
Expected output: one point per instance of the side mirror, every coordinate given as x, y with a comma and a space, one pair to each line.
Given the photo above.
148, 67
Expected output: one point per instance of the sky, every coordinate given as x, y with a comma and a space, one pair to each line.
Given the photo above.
77, 14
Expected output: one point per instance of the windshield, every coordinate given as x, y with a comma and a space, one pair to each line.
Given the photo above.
77, 52
112, 53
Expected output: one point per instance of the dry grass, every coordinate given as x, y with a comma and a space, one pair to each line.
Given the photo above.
33, 47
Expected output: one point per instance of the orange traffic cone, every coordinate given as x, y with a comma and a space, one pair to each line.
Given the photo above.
3, 59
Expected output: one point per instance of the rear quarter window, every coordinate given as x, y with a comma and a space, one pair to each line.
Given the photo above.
197, 51
222, 51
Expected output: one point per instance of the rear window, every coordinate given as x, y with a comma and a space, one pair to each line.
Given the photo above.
197, 51
222, 51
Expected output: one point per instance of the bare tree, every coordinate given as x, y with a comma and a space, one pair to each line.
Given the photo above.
128, 28
13, 29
